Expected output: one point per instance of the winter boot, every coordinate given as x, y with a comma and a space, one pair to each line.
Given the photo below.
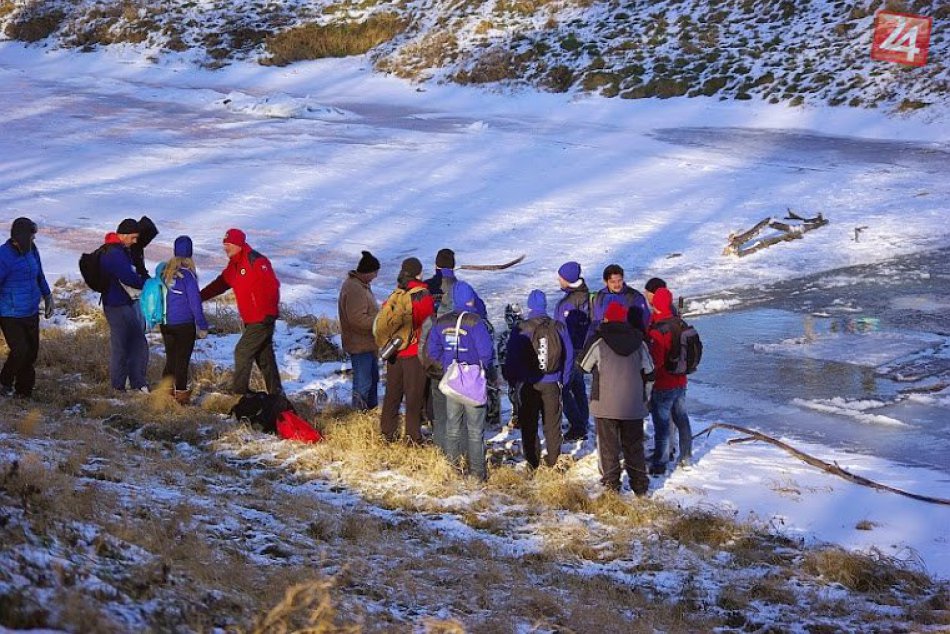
183, 397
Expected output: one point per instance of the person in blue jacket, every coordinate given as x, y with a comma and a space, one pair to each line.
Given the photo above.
540, 390
469, 343
616, 290
184, 318
22, 285
129, 356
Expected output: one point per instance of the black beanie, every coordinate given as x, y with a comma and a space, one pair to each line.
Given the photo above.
412, 267
128, 226
653, 284
22, 230
445, 259
368, 263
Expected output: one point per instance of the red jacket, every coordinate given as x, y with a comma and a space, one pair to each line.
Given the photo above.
422, 306
660, 343
256, 287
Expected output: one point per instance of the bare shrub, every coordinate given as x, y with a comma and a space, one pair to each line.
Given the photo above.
495, 64
872, 572
314, 41
223, 317
83, 351
704, 527
34, 23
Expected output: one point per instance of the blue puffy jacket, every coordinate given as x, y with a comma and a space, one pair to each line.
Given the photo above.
471, 345
183, 301
22, 282
116, 262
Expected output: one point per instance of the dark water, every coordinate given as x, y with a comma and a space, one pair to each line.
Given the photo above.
886, 333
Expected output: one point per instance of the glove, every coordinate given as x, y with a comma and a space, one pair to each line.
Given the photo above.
202, 334
48, 306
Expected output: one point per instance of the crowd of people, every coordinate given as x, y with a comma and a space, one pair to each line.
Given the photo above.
429, 328
441, 353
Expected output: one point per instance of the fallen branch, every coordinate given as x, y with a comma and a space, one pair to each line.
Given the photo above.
827, 467
491, 267
787, 232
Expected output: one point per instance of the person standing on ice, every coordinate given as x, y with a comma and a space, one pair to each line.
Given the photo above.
257, 292
357, 308
573, 310
623, 373
616, 291
129, 356
184, 318
669, 393
22, 285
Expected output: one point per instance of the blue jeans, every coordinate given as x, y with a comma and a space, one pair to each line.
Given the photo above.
470, 420
669, 405
365, 380
439, 414
576, 408
129, 357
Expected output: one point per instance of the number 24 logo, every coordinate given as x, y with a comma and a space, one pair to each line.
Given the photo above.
901, 38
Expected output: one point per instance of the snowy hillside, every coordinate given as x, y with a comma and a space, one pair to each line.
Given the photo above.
793, 52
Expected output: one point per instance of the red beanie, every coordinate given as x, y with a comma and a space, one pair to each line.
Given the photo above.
235, 237
615, 312
663, 300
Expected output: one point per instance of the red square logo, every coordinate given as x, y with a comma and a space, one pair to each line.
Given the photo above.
901, 37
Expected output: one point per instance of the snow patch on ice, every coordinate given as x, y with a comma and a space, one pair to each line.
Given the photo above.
853, 409
281, 106
868, 349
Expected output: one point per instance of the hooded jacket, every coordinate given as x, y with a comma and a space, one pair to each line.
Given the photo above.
521, 359
256, 287
633, 299
22, 281
574, 312
357, 307
116, 262
183, 301
660, 342
622, 371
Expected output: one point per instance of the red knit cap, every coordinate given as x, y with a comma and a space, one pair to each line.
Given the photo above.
615, 312
663, 300
235, 237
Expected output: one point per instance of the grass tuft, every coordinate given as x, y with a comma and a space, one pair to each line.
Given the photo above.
314, 41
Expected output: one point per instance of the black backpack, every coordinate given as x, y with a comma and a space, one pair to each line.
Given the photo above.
90, 266
546, 341
261, 410
686, 348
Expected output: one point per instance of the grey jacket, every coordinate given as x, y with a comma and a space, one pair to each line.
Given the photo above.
622, 370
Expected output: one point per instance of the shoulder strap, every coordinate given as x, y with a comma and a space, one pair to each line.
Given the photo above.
458, 335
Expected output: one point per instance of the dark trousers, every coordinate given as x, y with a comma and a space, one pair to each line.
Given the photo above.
23, 339
179, 344
544, 400
129, 357
622, 438
256, 346
404, 378
365, 380
576, 408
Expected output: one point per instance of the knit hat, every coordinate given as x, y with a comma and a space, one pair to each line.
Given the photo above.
654, 283
235, 237
22, 230
445, 259
537, 301
663, 300
570, 272
615, 312
183, 247
128, 227
412, 267
463, 296
368, 263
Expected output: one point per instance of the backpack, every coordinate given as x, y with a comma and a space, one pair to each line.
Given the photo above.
686, 348
395, 318
546, 341
261, 410
152, 299
292, 427
90, 267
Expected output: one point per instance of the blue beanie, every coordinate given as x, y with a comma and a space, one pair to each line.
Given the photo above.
463, 296
537, 301
570, 272
183, 248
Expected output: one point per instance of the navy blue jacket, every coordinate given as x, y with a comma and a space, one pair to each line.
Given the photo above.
574, 312
116, 262
183, 301
472, 344
22, 282
521, 360
639, 314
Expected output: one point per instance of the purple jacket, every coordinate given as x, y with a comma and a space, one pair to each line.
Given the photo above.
521, 361
471, 345
639, 310
183, 302
116, 262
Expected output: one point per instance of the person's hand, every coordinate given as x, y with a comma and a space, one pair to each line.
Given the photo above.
202, 334
48, 306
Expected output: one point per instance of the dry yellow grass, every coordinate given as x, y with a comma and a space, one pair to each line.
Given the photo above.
872, 572
306, 608
314, 41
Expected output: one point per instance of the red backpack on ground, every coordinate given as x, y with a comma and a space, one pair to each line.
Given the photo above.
292, 427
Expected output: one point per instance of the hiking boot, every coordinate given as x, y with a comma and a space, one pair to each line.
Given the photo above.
657, 469
182, 397
575, 436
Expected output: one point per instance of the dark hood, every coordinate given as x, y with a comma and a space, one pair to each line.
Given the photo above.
620, 337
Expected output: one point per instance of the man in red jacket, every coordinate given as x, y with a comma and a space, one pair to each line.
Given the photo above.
669, 392
257, 292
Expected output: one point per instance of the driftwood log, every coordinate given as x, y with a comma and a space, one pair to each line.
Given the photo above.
742, 244
491, 267
828, 467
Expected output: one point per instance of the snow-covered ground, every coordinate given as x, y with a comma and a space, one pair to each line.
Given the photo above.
320, 160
